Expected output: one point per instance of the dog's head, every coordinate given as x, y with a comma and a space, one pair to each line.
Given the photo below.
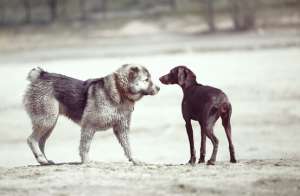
135, 81
180, 75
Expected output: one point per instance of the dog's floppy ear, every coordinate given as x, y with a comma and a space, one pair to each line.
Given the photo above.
133, 72
134, 69
186, 77
181, 76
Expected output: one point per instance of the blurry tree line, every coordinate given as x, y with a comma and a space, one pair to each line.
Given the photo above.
242, 12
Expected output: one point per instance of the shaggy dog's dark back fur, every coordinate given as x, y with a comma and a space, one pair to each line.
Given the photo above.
70, 92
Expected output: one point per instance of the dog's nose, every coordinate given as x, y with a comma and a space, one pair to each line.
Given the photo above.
157, 88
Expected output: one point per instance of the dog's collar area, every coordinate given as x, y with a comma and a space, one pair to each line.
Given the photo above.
187, 86
125, 94
130, 99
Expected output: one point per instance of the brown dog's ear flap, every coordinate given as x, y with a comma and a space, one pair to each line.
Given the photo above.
186, 77
181, 76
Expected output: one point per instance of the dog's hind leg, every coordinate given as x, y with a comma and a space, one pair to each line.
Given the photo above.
210, 134
33, 141
203, 145
37, 139
225, 115
210, 119
43, 139
43, 114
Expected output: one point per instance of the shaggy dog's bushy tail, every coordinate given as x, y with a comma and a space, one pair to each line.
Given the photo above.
34, 74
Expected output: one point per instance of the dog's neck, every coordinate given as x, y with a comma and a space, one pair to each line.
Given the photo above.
187, 86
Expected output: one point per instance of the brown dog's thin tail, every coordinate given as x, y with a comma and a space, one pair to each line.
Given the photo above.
34, 74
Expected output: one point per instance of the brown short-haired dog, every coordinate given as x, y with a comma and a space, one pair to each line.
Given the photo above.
204, 104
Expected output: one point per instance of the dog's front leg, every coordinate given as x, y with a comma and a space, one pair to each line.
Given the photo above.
189, 130
85, 142
121, 131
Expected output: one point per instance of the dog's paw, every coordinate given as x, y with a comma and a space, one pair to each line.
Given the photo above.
137, 162
84, 158
233, 161
51, 162
210, 162
192, 161
47, 163
202, 159
85, 161
42, 160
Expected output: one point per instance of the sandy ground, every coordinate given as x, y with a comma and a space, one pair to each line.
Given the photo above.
263, 86
251, 177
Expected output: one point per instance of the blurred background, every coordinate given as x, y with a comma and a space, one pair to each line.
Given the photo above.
248, 48
216, 14
51, 23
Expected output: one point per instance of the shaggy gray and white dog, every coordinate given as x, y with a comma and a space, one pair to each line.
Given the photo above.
95, 104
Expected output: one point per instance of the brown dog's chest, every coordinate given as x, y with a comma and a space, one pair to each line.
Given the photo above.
191, 110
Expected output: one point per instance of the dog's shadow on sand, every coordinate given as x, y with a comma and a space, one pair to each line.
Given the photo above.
143, 164
57, 164
79, 163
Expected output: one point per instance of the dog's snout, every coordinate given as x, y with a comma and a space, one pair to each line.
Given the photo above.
157, 88
153, 90
161, 78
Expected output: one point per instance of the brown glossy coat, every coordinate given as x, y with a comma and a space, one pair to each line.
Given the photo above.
204, 104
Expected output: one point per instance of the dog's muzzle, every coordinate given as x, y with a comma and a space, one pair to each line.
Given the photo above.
164, 79
151, 91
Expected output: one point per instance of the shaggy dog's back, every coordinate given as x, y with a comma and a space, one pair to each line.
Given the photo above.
71, 93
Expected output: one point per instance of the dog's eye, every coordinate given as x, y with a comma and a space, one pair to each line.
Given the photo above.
147, 80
